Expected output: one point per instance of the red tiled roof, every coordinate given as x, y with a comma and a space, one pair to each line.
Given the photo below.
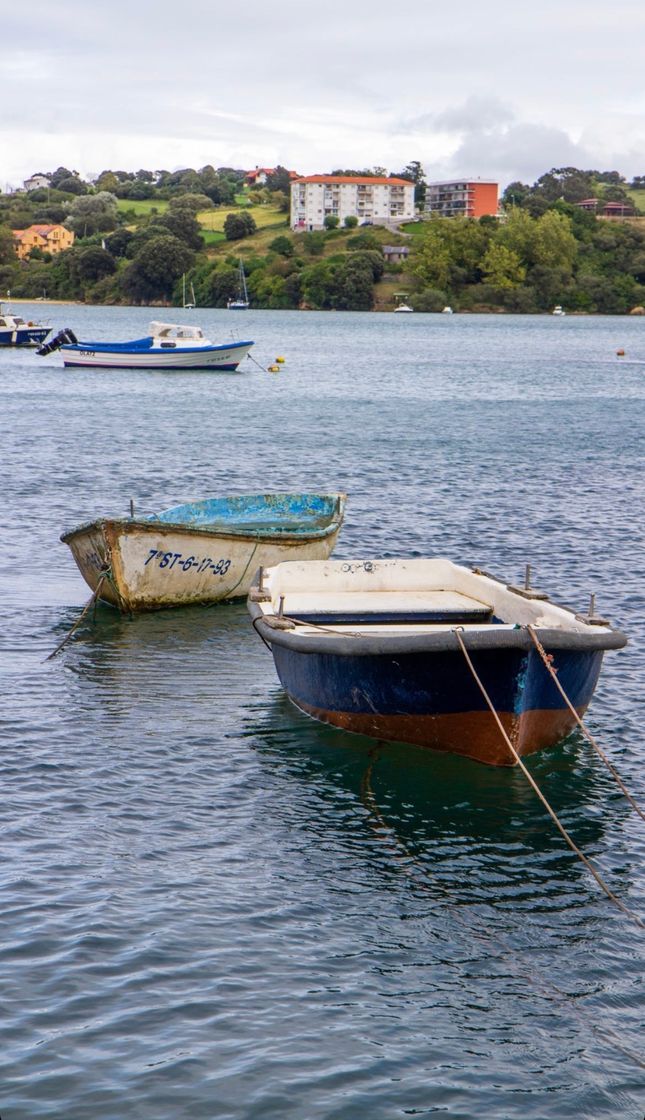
367, 180
267, 171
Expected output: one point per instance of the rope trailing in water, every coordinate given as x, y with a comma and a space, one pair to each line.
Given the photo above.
257, 363
536, 789
411, 865
598, 749
90, 602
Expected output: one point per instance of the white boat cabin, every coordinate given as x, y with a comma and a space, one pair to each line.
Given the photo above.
177, 332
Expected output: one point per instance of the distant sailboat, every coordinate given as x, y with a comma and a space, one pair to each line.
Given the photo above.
192, 302
241, 301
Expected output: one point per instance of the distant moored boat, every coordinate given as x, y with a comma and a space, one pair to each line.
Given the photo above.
171, 346
16, 331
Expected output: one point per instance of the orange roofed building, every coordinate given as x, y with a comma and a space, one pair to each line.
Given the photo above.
259, 176
371, 199
51, 239
462, 198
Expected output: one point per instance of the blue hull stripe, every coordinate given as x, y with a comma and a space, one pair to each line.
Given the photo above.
436, 684
151, 369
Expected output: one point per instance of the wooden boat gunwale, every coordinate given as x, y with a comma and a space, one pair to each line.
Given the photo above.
113, 523
360, 637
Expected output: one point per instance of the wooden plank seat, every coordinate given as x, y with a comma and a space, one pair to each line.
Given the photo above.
405, 607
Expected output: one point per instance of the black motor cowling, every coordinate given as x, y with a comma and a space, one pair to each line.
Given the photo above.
64, 337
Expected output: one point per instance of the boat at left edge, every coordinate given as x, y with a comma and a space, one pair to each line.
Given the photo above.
203, 551
16, 331
172, 346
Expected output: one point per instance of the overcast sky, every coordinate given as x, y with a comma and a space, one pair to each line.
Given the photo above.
499, 91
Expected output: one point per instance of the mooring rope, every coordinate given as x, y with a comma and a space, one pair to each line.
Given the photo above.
536, 789
92, 600
257, 363
547, 659
398, 848
248, 564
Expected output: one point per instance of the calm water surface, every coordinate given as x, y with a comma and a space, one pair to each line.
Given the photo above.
213, 907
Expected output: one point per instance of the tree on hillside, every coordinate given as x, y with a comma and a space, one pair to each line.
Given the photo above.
415, 173
554, 244
92, 213
502, 267
59, 175
107, 181
156, 268
279, 180
239, 225
193, 202
7, 251
222, 285
282, 245
183, 224
73, 185
117, 243
93, 263
450, 253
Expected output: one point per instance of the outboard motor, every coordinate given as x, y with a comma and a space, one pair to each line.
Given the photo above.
64, 337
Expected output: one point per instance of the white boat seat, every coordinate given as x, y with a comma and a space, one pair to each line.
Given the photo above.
386, 606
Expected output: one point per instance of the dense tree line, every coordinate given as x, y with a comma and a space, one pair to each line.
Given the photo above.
545, 249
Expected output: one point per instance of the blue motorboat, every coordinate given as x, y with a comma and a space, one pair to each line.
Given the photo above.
16, 331
168, 346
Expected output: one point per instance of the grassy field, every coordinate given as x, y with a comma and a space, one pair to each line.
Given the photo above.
213, 220
142, 207
638, 198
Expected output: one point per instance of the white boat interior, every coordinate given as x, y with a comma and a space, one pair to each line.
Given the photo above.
410, 596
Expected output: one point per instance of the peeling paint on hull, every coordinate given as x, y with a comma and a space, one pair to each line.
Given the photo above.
151, 565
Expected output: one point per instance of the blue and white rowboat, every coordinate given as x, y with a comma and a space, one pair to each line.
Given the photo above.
203, 551
374, 647
172, 346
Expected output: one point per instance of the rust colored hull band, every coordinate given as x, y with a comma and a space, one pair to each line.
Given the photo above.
472, 734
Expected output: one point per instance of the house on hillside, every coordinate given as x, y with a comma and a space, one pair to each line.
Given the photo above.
395, 254
462, 198
372, 200
607, 209
259, 176
49, 238
36, 182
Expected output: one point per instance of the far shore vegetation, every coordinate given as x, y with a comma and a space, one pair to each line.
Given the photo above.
139, 236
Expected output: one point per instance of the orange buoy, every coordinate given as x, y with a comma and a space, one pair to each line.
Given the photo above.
620, 353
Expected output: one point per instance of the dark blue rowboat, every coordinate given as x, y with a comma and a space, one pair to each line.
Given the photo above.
374, 647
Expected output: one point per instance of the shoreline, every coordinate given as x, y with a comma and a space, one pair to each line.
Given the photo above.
635, 312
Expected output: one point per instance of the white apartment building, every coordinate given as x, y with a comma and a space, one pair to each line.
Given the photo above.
373, 201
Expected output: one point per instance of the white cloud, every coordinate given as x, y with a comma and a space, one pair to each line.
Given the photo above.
131, 85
